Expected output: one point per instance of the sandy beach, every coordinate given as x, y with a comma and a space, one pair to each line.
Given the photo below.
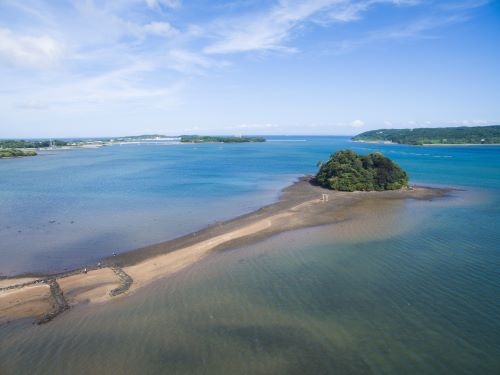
301, 205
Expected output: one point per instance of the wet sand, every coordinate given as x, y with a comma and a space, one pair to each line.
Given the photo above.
301, 205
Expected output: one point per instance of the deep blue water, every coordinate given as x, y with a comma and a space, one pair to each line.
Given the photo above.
412, 289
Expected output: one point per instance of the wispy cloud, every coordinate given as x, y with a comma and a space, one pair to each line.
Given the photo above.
82, 53
419, 28
102, 54
357, 123
189, 62
157, 4
265, 31
124, 85
123, 29
38, 52
272, 30
160, 29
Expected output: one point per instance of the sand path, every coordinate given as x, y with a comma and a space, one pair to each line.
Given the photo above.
299, 207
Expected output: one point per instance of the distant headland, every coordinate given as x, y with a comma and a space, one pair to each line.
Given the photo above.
473, 135
12, 148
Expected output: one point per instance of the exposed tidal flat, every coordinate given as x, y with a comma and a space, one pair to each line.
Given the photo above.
410, 287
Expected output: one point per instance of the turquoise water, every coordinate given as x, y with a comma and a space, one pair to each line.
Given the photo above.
413, 288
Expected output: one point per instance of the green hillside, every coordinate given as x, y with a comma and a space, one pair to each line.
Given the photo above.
420, 136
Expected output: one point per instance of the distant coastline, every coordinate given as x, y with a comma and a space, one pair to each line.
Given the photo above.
43, 297
474, 135
429, 144
219, 139
12, 148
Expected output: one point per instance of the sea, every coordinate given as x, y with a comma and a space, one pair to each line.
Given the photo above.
413, 287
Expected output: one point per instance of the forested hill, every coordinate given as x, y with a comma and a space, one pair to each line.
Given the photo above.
420, 136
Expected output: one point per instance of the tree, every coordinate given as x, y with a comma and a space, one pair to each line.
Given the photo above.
349, 171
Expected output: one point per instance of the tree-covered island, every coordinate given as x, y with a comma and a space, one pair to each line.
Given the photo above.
15, 153
349, 171
219, 139
445, 136
12, 148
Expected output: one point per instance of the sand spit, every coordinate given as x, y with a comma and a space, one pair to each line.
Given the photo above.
301, 205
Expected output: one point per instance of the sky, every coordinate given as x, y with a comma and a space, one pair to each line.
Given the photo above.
83, 68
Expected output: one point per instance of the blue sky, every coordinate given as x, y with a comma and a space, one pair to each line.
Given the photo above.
102, 68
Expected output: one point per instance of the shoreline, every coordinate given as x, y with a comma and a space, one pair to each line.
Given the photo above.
426, 144
461, 144
43, 297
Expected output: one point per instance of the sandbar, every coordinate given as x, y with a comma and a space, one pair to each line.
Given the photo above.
301, 205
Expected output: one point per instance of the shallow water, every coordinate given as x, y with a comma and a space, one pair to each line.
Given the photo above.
69, 208
411, 288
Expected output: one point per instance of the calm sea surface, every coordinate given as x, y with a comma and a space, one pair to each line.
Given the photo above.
413, 288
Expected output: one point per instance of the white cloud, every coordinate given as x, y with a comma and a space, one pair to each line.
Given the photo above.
79, 93
191, 62
85, 96
160, 29
270, 30
156, 4
264, 31
420, 27
357, 123
108, 52
346, 14
352, 10
38, 52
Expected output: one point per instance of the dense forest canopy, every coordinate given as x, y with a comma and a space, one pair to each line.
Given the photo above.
219, 139
349, 171
421, 136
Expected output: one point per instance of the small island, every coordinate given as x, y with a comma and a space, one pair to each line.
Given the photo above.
219, 139
15, 153
473, 135
349, 171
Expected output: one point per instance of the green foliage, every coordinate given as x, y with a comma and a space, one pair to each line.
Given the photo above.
349, 171
219, 139
14, 153
9, 143
420, 136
